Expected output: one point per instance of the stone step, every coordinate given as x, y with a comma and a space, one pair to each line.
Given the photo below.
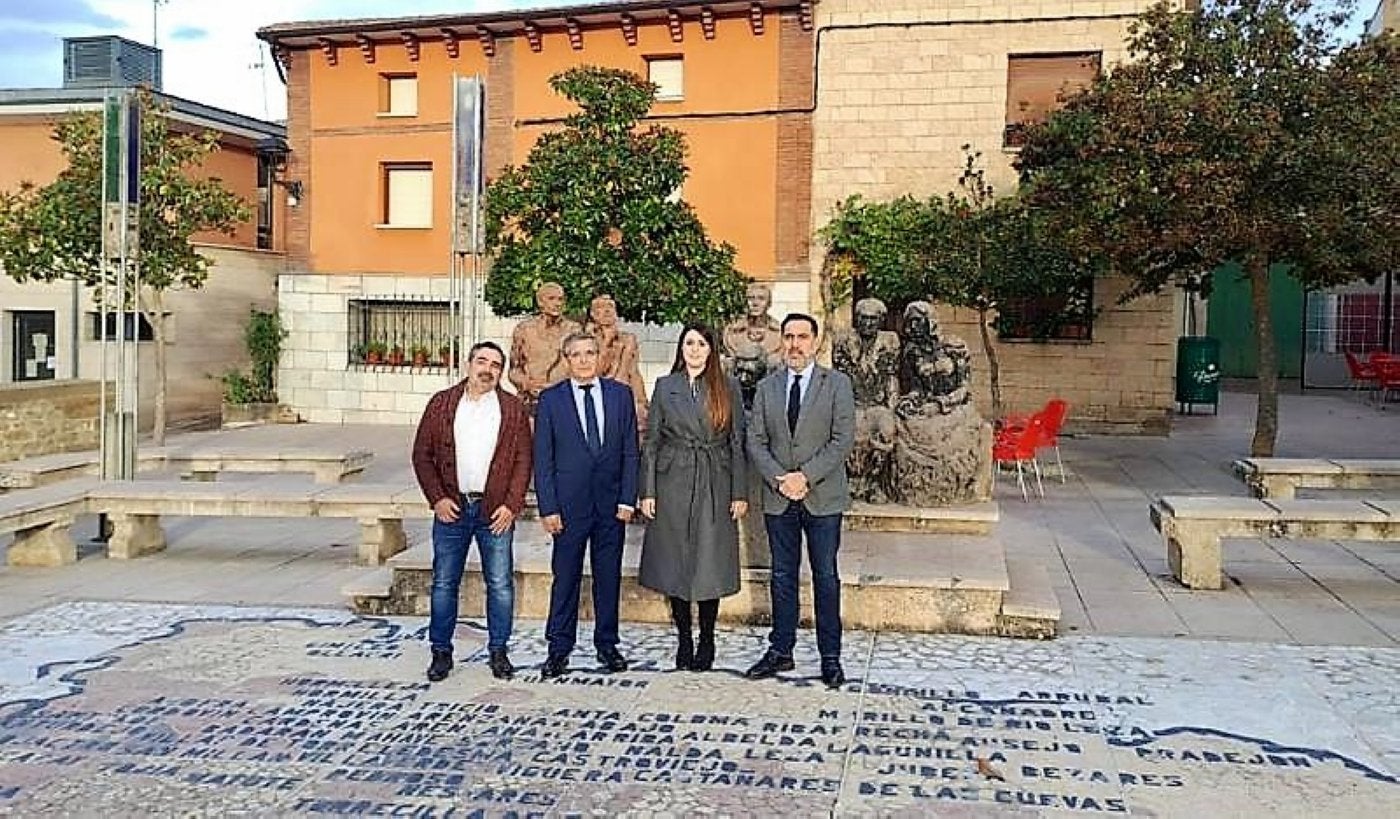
968, 519
890, 581
1030, 607
376, 583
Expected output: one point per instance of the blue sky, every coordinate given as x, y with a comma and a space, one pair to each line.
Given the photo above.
211, 54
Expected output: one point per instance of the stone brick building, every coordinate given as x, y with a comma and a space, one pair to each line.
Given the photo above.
904, 84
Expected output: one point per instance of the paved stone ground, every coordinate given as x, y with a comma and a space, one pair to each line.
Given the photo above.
224, 677
117, 709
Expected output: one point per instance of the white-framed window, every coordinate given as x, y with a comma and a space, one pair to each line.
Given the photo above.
398, 95
408, 194
668, 74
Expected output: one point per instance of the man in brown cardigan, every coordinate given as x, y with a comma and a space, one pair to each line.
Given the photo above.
472, 458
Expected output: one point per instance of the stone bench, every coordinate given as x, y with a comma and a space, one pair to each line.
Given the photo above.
205, 463
134, 508
1192, 527
198, 462
42, 520
1283, 477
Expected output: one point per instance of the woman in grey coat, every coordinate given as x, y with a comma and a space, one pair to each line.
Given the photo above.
694, 489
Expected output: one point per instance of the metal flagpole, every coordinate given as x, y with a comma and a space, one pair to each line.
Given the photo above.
454, 284
475, 245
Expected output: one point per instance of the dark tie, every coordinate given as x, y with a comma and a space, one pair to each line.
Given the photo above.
590, 419
794, 402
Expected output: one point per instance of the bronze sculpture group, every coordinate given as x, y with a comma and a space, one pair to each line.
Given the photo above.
919, 438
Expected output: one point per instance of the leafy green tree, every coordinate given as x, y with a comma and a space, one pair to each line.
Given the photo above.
55, 231
592, 209
1238, 132
967, 249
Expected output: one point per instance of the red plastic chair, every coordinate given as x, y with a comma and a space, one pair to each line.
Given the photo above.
1054, 416
1361, 372
1387, 378
1019, 446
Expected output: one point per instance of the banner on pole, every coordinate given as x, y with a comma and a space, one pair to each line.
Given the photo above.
467, 136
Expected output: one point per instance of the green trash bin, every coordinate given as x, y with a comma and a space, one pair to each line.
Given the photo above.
1197, 372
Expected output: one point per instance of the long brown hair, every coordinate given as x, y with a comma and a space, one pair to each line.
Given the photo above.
717, 399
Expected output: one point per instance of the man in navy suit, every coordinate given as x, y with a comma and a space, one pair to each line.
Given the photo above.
586, 482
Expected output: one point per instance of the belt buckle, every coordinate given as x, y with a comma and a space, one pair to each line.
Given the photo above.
475, 497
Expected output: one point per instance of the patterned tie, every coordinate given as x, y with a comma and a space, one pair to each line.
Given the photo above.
794, 402
590, 419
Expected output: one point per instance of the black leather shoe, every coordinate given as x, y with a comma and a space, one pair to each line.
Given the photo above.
832, 674
704, 656
501, 668
441, 664
554, 667
685, 653
769, 665
612, 660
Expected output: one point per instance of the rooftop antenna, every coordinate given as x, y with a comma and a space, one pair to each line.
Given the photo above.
261, 67
155, 20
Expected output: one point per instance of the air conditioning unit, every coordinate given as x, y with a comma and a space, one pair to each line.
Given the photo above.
105, 62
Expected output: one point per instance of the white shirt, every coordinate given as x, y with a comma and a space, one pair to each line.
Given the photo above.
597, 393
806, 382
475, 428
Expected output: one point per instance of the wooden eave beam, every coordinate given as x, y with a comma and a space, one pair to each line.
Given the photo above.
575, 34
629, 29
411, 45
707, 22
366, 47
487, 38
674, 23
532, 34
331, 50
451, 40
804, 15
756, 19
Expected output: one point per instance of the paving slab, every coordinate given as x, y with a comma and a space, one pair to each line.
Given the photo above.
204, 709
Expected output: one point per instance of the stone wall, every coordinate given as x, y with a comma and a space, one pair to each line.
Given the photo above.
903, 85
317, 380
204, 327
43, 417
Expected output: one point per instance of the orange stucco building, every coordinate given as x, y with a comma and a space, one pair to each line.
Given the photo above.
736, 107
370, 125
50, 331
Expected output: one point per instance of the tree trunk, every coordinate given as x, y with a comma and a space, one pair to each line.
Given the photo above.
156, 316
1266, 409
993, 366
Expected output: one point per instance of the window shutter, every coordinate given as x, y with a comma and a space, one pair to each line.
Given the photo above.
403, 96
668, 74
1034, 82
409, 194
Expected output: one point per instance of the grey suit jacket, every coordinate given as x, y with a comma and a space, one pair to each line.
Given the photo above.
826, 431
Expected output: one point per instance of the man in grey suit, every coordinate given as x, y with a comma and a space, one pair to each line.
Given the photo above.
801, 430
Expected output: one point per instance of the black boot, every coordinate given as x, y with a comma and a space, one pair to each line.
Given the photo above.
685, 643
705, 654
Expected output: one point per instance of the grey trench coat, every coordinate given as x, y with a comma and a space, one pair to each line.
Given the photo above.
691, 549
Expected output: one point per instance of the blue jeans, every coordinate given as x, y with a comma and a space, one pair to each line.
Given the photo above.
450, 544
823, 540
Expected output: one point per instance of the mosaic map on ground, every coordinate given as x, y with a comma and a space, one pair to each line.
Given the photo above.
135, 709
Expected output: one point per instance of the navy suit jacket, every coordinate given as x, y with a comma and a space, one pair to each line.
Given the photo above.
569, 479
